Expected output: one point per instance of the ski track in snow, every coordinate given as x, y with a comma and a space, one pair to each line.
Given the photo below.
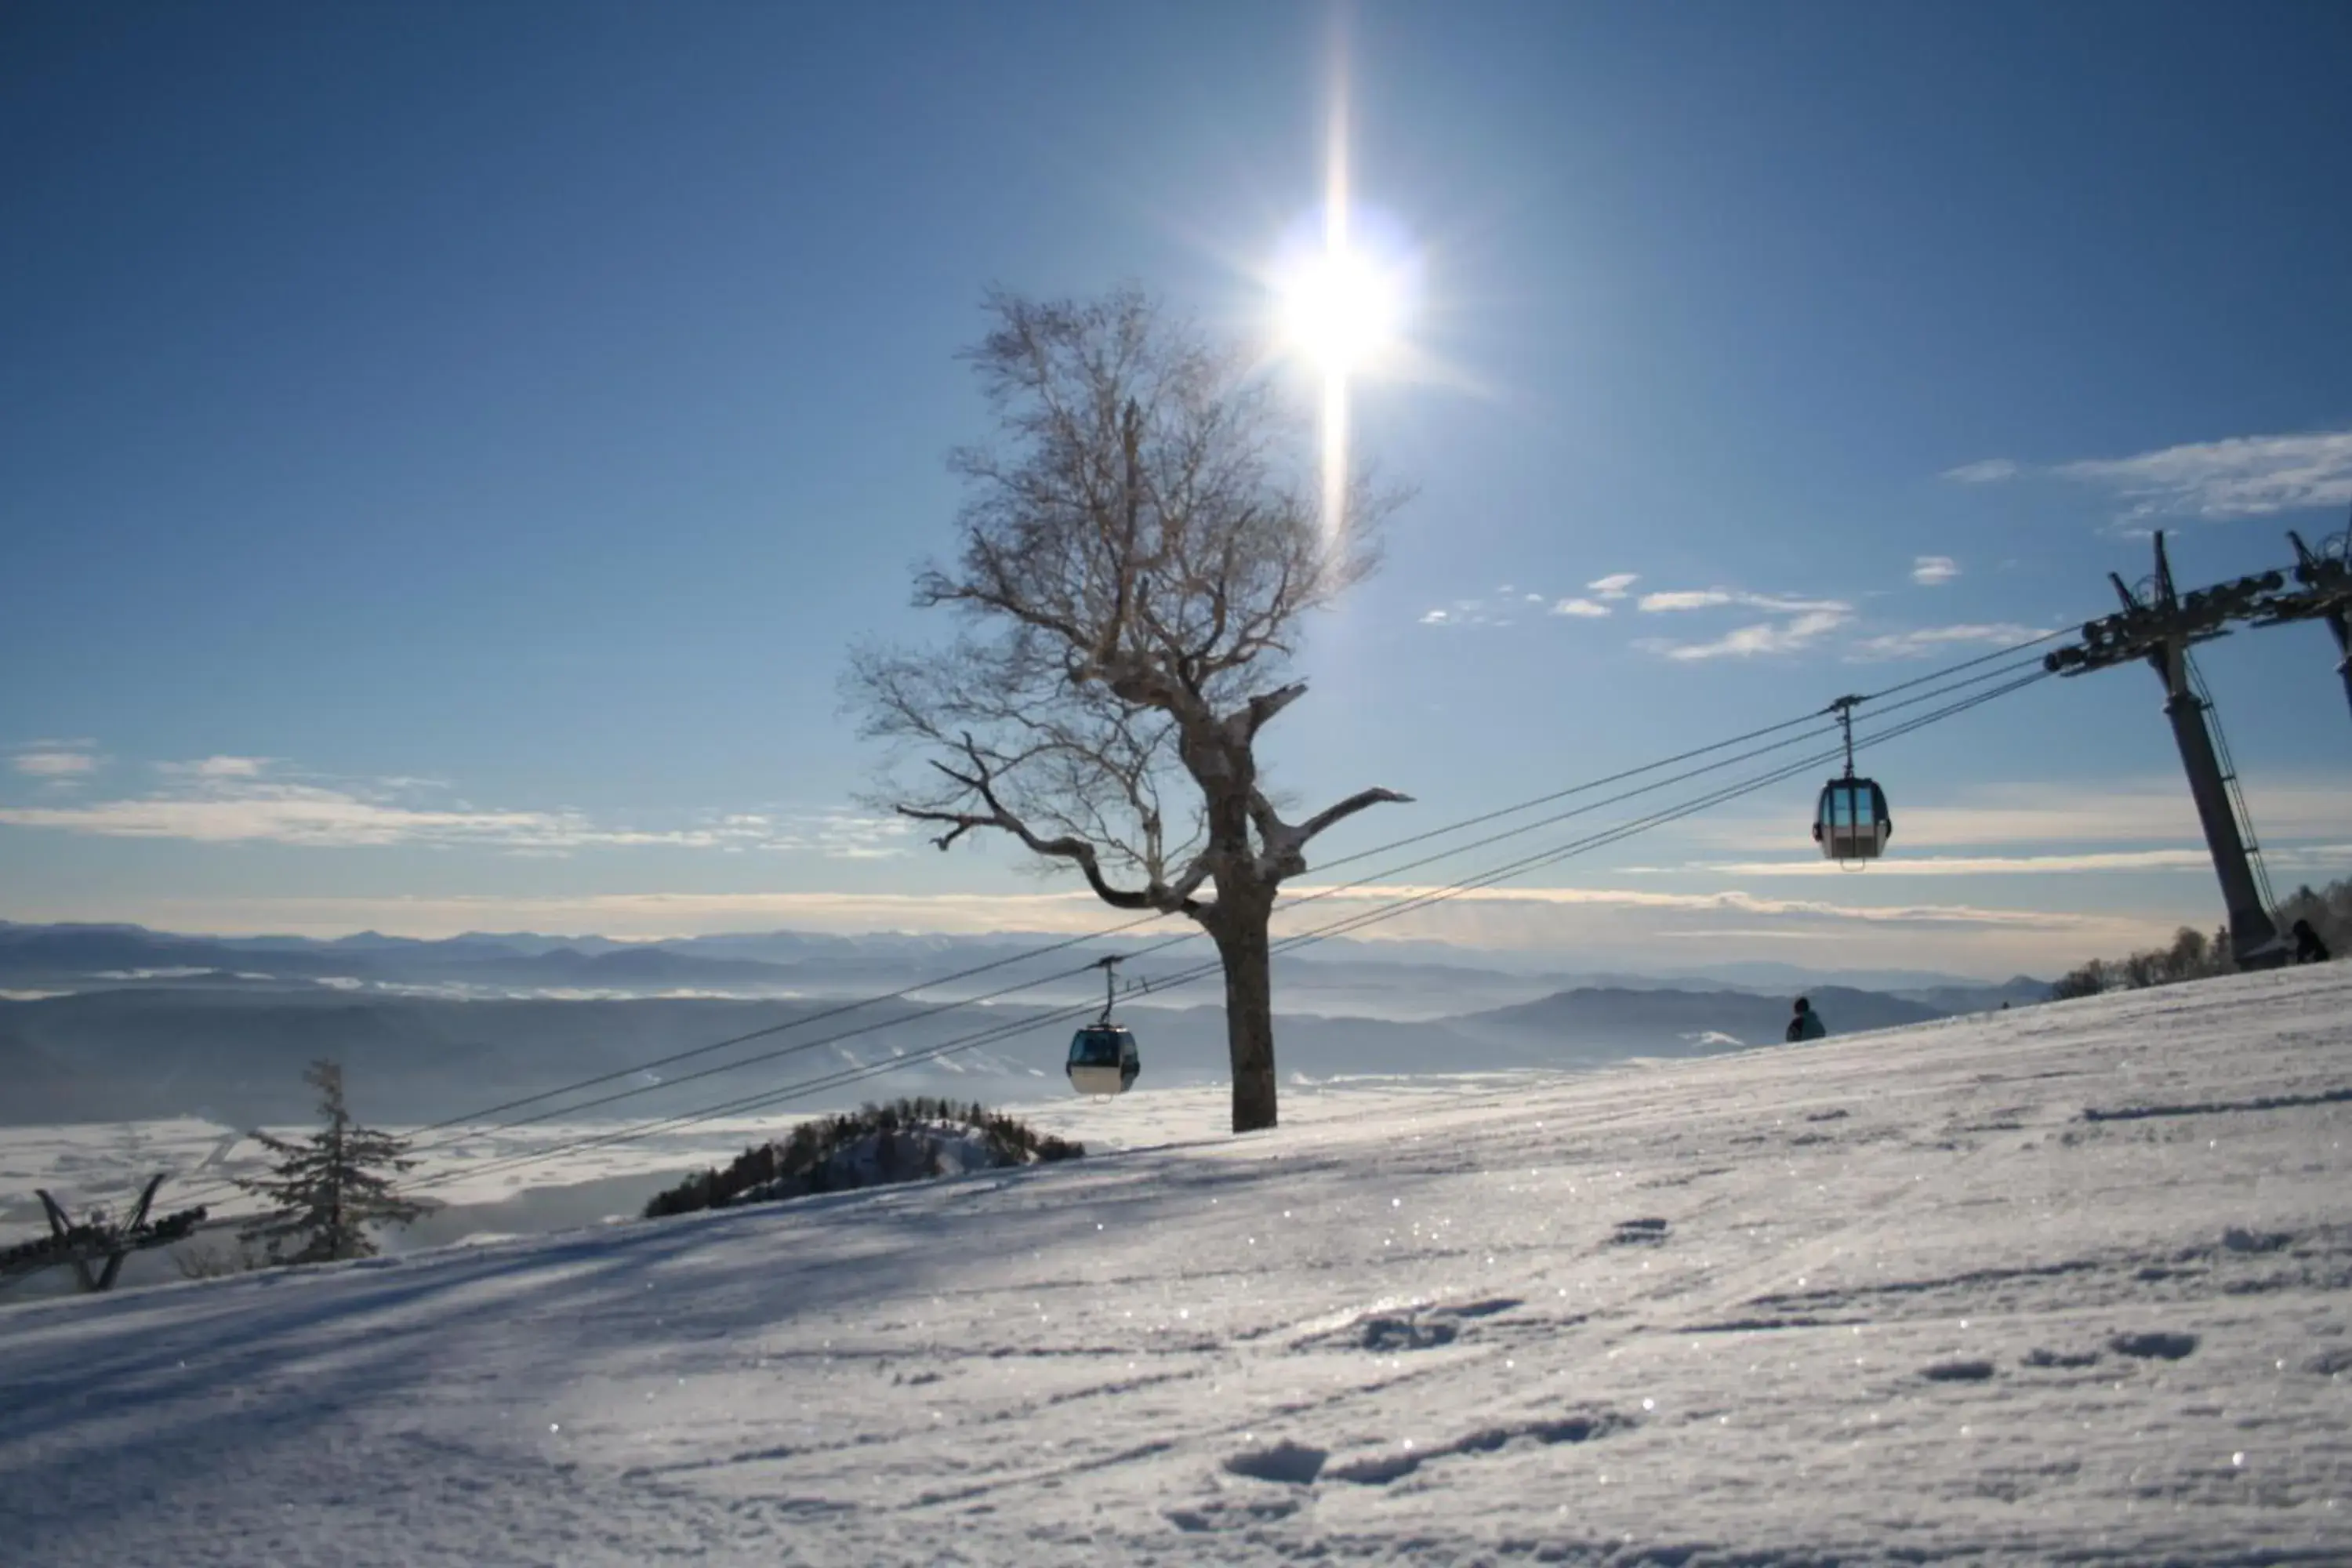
2067, 1284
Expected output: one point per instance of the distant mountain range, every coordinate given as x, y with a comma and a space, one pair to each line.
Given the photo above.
1399, 980
107, 1023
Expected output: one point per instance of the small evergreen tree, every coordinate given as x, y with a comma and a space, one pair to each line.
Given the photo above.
327, 1189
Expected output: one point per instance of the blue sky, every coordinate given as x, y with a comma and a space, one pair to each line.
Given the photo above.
450, 449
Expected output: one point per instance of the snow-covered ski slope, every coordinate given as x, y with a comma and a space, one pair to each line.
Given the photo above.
1896, 1297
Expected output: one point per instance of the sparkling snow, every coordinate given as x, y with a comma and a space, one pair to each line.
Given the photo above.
2066, 1283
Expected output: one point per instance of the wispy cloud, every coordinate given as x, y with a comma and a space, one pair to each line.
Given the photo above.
1687, 599
1931, 570
2246, 476
56, 762
1926, 640
1716, 598
2238, 477
1765, 637
216, 768
1511, 600
1986, 471
1711, 904
1495, 612
1805, 622
242, 800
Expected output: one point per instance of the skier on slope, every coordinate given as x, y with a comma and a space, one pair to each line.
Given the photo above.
1806, 1024
2308, 947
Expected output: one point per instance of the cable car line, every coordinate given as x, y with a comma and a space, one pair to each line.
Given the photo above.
796, 1048
935, 1009
462, 1132
467, 1120
1011, 1028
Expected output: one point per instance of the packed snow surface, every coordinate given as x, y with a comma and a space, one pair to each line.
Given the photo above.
2063, 1284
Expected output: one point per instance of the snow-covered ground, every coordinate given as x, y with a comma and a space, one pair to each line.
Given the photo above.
2066, 1284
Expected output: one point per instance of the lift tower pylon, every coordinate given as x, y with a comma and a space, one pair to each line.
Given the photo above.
2160, 629
2322, 593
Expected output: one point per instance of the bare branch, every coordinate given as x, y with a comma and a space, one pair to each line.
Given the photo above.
1283, 852
978, 782
1359, 801
1262, 709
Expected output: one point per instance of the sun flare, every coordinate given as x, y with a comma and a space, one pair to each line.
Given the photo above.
1340, 310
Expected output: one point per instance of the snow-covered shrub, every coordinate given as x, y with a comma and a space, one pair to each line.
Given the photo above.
906, 1140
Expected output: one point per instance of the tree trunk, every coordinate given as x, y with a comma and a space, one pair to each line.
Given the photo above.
1240, 939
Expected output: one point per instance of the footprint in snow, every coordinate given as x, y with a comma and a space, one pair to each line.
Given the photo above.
1379, 1469
1295, 1464
1385, 1334
2154, 1346
1382, 1335
1957, 1372
2236, 1239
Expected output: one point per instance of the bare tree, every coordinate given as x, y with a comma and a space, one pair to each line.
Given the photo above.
1138, 549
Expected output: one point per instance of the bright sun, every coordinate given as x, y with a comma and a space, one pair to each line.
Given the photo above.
1338, 310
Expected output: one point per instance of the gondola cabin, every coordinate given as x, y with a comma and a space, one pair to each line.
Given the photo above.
1852, 826
1103, 1060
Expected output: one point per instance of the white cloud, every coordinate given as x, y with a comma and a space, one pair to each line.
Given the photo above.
1711, 904
227, 800
284, 814
1930, 569
1478, 612
59, 762
1808, 620
1792, 635
1716, 598
1510, 600
1614, 585
1926, 640
216, 768
1688, 599
2244, 476
1986, 471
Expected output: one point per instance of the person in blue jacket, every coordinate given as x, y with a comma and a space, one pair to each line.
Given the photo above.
1806, 1024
